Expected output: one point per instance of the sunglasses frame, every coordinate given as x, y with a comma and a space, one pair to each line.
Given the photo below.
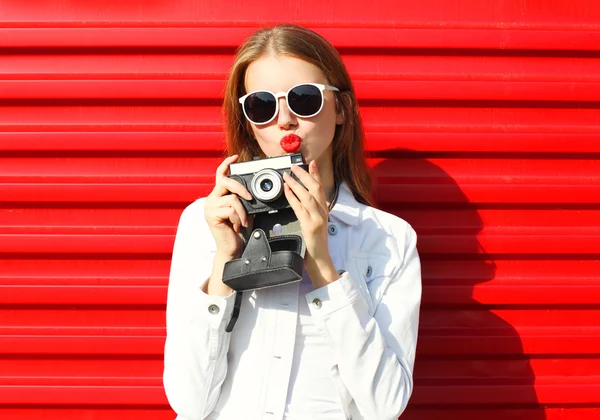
278, 95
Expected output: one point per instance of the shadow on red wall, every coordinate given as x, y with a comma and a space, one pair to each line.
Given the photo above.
470, 362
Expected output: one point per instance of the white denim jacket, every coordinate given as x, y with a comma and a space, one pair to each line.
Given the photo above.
369, 316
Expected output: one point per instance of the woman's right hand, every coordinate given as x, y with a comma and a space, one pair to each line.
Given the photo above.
225, 213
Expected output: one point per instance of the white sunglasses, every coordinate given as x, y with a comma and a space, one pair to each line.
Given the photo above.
304, 100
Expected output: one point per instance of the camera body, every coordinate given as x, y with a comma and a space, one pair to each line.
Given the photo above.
263, 178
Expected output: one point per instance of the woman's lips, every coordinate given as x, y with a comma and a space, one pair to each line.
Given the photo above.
290, 143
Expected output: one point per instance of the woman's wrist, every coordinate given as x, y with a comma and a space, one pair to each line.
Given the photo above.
322, 272
215, 283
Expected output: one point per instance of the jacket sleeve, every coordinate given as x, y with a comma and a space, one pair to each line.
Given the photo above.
374, 353
195, 358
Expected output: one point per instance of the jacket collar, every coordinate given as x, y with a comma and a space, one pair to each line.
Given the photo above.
346, 208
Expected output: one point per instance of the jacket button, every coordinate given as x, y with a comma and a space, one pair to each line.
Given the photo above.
213, 309
333, 230
317, 302
369, 271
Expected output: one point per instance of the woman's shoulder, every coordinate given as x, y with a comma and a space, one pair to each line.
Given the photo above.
194, 210
384, 234
365, 217
381, 242
388, 222
193, 226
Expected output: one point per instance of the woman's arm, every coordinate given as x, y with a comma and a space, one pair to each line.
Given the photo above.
195, 361
375, 354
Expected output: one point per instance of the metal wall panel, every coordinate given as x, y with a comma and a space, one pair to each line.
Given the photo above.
483, 131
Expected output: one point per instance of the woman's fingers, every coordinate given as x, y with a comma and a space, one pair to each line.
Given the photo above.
312, 184
302, 193
294, 203
309, 202
313, 170
232, 202
227, 185
223, 169
224, 185
299, 189
229, 214
239, 208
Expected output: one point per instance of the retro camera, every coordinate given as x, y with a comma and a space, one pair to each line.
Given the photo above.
263, 178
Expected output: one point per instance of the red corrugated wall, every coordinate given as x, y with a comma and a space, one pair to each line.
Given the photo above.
483, 123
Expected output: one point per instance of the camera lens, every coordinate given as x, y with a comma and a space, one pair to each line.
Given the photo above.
266, 185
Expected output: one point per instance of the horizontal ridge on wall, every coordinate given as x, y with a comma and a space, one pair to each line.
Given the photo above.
380, 90
485, 37
396, 139
137, 282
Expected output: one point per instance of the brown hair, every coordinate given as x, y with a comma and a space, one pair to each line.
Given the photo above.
349, 162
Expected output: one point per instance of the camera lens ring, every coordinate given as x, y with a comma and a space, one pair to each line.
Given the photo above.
267, 175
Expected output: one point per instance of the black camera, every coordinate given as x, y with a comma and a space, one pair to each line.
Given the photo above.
263, 178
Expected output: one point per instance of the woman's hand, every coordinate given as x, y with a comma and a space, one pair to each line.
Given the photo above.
225, 213
310, 206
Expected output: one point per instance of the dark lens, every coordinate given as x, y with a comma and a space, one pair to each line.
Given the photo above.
260, 107
305, 100
266, 185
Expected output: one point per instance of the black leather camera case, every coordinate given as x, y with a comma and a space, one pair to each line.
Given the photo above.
266, 262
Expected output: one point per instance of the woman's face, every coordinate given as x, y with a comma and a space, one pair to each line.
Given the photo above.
278, 74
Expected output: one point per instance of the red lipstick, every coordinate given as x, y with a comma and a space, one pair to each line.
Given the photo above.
290, 143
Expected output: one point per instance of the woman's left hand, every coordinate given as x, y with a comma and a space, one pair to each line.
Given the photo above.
310, 206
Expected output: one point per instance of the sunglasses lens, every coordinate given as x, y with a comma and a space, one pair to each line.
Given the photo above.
260, 107
305, 100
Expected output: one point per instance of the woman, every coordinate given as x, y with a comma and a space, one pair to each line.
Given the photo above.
340, 344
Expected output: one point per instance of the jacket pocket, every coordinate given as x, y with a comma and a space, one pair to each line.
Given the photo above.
374, 274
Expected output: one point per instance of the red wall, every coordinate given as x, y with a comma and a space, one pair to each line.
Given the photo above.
483, 125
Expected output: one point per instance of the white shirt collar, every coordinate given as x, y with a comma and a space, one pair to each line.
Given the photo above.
346, 208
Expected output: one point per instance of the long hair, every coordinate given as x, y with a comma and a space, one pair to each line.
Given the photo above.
349, 161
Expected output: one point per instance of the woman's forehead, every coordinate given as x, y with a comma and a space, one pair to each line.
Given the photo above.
279, 73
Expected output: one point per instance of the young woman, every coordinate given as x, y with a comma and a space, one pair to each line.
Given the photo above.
340, 344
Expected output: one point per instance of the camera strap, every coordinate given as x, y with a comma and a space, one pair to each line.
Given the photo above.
236, 312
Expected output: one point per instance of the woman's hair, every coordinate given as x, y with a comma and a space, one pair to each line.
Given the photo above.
349, 163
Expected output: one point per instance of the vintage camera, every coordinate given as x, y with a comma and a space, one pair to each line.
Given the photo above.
263, 178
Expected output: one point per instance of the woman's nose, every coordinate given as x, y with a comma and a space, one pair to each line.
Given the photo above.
286, 118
